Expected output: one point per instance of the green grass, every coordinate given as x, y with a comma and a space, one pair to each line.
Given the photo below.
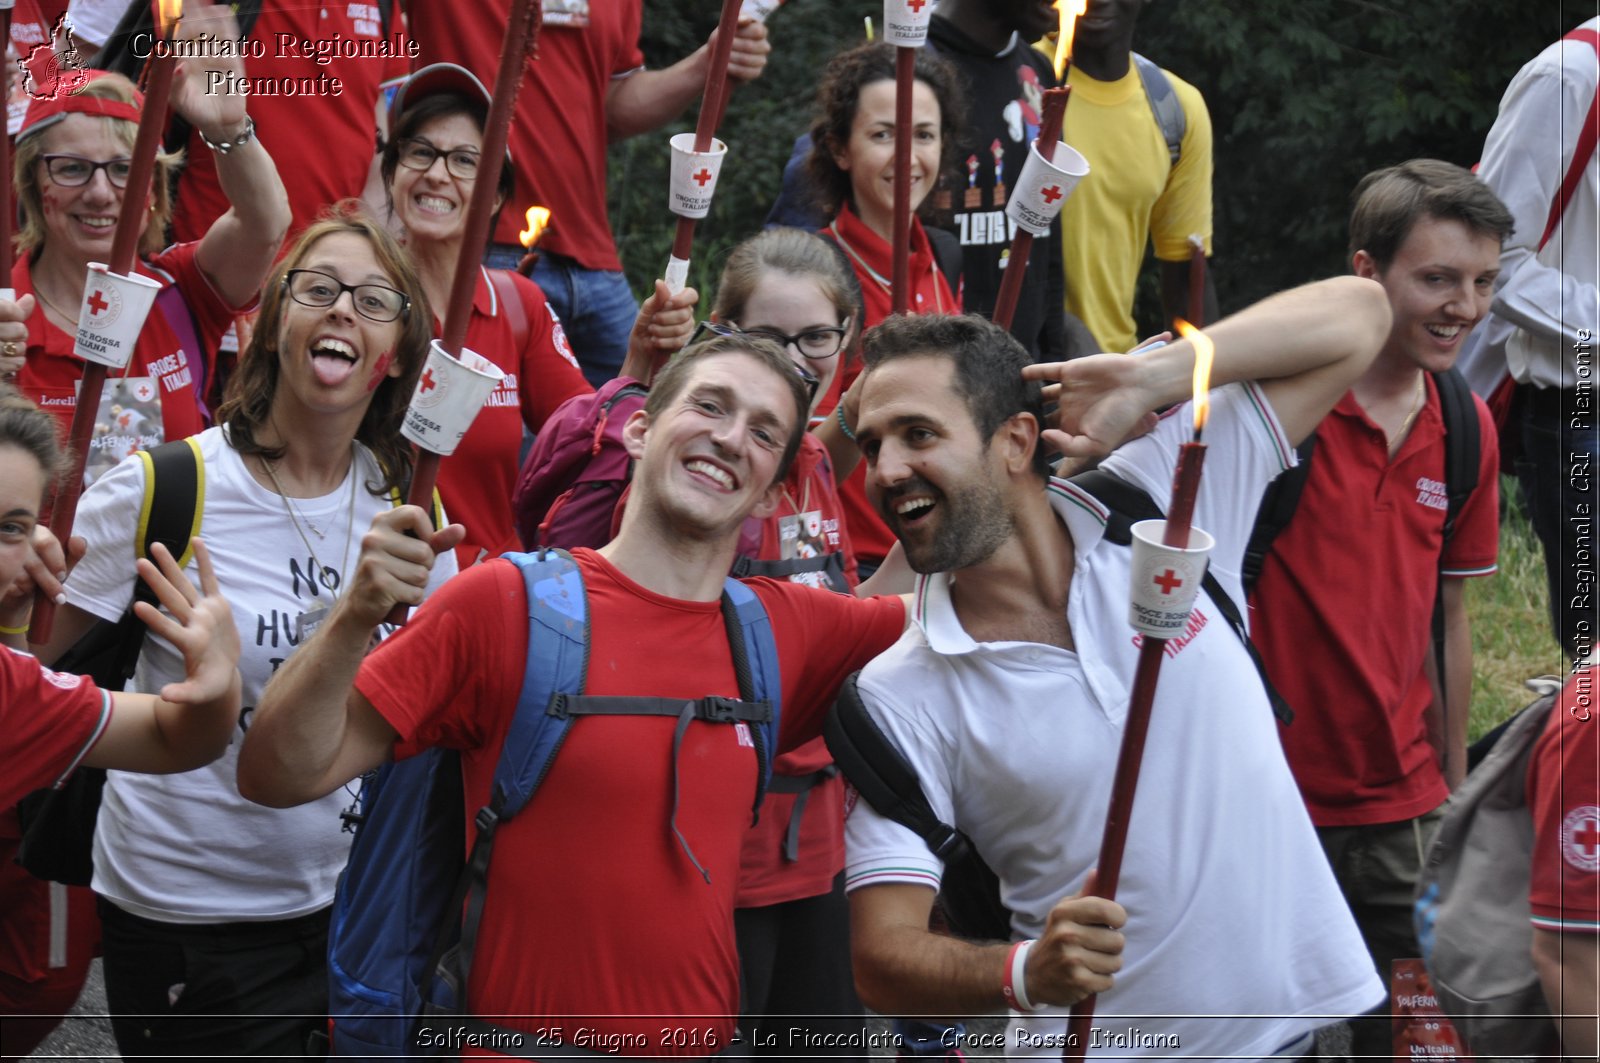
1511, 638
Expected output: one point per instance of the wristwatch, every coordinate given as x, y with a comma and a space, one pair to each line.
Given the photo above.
223, 147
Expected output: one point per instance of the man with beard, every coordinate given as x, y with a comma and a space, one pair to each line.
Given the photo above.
1009, 692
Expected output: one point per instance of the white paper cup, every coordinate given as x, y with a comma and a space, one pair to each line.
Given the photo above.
112, 315
694, 175
449, 395
905, 22
1165, 580
1039, 193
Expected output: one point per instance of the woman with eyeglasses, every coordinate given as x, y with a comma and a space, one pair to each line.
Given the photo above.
852, 166
215, 910
429, 166
72, 162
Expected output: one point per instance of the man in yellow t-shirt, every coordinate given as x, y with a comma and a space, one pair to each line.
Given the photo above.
1134, 194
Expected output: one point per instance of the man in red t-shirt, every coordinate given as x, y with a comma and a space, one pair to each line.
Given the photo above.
597, 915
1564, 896
588, 88
1344, 603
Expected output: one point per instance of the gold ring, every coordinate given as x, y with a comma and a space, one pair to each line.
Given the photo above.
10, 347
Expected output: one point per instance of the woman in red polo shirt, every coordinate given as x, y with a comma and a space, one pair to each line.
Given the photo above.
852, 166
72, 161
430, 165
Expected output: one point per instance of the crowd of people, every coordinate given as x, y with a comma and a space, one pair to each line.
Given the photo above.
815, 486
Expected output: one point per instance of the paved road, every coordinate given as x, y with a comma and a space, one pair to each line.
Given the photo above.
85, 1037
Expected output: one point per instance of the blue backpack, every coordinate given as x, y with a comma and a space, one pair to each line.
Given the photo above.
406, 916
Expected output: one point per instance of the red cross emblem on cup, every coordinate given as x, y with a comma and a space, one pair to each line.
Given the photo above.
104, 306
701, 178
1168, 581
1051, 194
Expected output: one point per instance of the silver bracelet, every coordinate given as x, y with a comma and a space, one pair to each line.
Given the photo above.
222, 148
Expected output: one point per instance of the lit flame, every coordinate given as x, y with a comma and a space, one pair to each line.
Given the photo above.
1069, 11
538, 218
1203, 353
171, 11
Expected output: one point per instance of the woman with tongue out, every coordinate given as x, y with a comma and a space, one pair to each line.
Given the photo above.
430, 165
215, 909
71, 165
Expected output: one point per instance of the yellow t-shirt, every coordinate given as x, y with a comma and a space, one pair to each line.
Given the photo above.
1132, 195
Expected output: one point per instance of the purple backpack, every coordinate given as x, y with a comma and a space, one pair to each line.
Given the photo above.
577, 470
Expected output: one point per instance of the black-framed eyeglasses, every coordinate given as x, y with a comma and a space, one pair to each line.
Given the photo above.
375, 302
721, 328
814, 344
74, 171
418, 154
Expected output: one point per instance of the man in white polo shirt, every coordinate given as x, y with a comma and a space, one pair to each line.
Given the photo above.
1009, 693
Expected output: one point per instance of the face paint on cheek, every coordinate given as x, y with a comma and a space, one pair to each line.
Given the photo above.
51, 205
380, 370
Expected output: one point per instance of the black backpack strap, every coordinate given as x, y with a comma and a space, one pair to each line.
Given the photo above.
947, 254
882, 775
1462, 444
709, 709
1278, 503
969, 891
1128, 505
1461, 455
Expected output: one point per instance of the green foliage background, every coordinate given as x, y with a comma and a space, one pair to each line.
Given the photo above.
1305, 97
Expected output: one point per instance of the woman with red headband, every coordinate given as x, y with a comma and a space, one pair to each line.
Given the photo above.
71, 165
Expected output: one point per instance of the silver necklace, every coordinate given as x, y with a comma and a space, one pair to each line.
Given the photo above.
296, 519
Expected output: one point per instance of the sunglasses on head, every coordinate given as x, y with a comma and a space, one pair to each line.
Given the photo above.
709, 328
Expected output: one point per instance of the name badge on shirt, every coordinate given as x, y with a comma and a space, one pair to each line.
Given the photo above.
800, 535
573, 14
306, 624
128, 419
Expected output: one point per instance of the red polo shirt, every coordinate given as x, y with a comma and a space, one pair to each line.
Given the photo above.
51, 373
475, 482
1343, 610
558, 132
1564, 797
873, 260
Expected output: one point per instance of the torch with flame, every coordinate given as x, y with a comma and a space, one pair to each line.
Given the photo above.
124, 245
1141, 699
1069, 10
1205, 353
538, 219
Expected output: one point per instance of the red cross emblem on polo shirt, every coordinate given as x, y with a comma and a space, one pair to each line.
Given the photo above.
428, 383
1588, 837
1168, 581
916, 5
97, 303
702, 177
1051, 194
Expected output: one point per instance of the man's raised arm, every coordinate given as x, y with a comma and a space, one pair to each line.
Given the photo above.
312, 731
1306, 346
